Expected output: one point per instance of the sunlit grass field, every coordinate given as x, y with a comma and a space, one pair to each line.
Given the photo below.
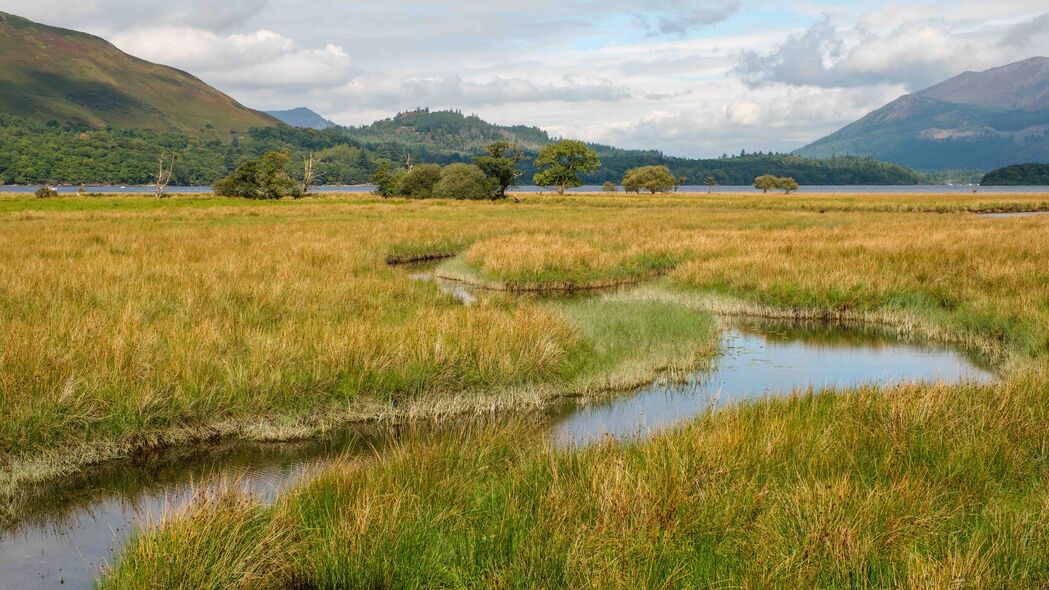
130, 323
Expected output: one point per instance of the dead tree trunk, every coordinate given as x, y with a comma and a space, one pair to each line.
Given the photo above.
309, 174
164, 175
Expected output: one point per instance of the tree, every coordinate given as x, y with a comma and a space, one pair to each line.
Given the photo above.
787, 185
501, 165
385, 182
561, 163
164, 175
309, 175
711, 183
264, 178
465, 181
609, 187
654, 179
418, 182
765, 183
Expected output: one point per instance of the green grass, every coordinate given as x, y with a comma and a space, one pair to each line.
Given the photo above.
919, 486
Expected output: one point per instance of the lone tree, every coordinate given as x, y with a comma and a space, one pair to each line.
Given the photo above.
766, 182
501, 165
264, 178
561, 163
609, 187
309, 175
711, 183
654, 179
384, 180
787, 185
163, 176
465, 181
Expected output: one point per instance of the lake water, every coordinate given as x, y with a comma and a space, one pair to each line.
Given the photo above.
851, 189
76, 526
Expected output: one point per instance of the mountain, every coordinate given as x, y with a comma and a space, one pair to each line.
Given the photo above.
53, 74
977, 121
302, 117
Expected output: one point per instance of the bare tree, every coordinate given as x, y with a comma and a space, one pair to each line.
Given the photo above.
164, 175
309, 174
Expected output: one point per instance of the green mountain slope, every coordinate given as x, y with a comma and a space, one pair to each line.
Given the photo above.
47, 73
978, 121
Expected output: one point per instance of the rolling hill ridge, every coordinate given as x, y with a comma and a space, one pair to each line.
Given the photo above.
53, 74
976, 121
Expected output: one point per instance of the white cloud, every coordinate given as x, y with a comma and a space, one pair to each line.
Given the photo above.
259, 59
691, 77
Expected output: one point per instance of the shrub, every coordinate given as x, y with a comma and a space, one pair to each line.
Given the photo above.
654, 179
418, 182
465, 181
264, 178
787, 185
609, 187
46, 192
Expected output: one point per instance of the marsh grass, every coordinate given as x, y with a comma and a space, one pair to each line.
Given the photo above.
922, 486
131, 324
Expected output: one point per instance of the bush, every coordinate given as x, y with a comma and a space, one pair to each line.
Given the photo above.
46, 192
418, 182
465, 181
769, 182
654, 179
609, 187
265, 178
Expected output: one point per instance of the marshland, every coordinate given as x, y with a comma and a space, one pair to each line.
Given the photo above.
135, 328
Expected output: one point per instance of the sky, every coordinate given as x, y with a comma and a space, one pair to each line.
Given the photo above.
692, 78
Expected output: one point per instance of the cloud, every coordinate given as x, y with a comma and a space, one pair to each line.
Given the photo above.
915, 54
453, 91
259, 59
679, 17
114, 15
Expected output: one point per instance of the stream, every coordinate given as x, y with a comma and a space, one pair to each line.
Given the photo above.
72, 529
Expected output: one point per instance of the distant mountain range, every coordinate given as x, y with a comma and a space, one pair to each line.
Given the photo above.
74, 108
974, 121
52, 74
302, 117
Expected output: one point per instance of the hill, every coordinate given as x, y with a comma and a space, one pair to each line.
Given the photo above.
1018, 175
977, 120
302, 117
53, 74
448, 136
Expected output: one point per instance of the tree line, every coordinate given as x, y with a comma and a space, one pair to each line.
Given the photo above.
559, 166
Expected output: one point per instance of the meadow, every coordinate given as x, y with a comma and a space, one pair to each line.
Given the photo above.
132, 324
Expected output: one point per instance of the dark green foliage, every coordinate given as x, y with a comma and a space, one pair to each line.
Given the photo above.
654, 179
1018, 175
46, 192
265, 178
465, 181
385, 182
69, 153
500, 164
418, 182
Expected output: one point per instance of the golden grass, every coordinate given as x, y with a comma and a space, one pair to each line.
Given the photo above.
130, 323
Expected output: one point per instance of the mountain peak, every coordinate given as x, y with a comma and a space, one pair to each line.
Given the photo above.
1023, 85
302, 117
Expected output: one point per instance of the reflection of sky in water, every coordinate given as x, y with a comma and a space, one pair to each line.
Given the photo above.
755, 365
82, 525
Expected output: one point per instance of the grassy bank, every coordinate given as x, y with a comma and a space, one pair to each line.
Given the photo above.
921, 487
130, 323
